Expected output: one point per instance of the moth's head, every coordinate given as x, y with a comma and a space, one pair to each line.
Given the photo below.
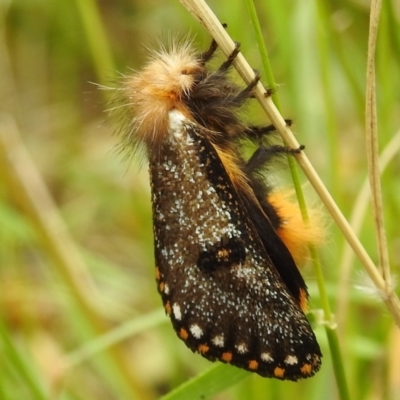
161, 86
175, 72
169, 75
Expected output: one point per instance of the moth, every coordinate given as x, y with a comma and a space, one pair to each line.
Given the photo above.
225, 243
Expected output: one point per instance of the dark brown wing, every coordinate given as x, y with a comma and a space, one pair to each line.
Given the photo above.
218, 284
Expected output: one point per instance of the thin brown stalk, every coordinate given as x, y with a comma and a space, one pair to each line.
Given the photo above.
356, 220
371, 131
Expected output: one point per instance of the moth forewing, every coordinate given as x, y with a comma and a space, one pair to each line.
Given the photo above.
219, 286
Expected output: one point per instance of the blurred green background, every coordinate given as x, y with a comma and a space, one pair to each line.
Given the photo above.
93, 274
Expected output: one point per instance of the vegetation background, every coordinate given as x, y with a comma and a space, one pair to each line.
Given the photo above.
80, 314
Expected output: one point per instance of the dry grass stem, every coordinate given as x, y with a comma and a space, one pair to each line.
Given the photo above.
371, 130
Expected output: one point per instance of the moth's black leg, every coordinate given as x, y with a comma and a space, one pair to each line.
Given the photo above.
225, 66
247, 92
298, 150
207, 55
263, 155
269, 92
250, 87
257, 132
